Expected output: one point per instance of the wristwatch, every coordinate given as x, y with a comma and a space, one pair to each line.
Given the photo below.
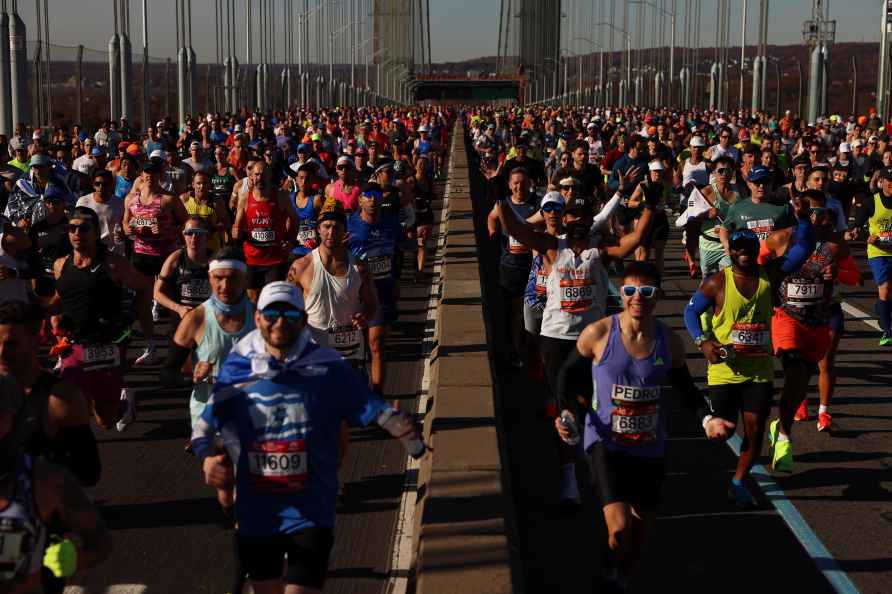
700, 340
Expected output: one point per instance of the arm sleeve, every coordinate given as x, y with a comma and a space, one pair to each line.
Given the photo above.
75, 448
865, 211
696, 306
607, 212
848, 273
574, 378
804, 242
691, 397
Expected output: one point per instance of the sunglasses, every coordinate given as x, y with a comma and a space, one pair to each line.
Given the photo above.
552, 207
341, 167
646, 291
723, 171
194, 231
292, 316
761, 182
100, 184
566, 188
76, 229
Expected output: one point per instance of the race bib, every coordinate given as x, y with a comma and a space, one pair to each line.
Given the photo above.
346, 340
100, 356
380, 266
196, 288
515, 247
13, 538
577, 295
750, 339
306, 236
885, 238
804, 293
263, 235
144, 222
278, 466
541, 284
761, 227
635, 415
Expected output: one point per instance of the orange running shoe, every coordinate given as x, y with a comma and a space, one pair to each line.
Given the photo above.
801, 413
824, 422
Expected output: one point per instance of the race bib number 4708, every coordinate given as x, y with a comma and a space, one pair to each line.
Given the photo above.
278, 466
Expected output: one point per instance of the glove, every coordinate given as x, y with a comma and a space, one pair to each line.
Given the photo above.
61, 558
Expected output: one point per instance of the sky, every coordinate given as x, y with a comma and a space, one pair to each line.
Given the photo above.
462, 29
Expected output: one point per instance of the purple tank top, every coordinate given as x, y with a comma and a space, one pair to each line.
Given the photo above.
629, 408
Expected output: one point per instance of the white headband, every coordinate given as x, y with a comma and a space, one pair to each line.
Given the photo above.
227, 265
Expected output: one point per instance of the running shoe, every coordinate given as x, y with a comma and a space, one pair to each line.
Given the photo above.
782, 461
740, 496
156, 311
148, 357
128, 398
801, 413
886, 340
824, 422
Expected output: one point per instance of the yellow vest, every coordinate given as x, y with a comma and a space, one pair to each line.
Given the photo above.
880, 224
744, 327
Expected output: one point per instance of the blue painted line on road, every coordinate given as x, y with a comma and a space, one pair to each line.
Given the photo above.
822, 558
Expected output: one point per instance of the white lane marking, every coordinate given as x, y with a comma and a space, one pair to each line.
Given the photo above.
401, 559
820, 556
861, 316
115, 589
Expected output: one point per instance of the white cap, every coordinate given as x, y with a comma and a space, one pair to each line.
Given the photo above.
697, 141
345, 160
158, 154
423, 128
84, 166
845, 148
552, 198
655, 165
857, 142
280, 292
591, 125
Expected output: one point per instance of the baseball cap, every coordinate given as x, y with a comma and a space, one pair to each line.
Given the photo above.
552, 198
153, 165
655, 165
578, 204
280, 292
315, 137
384, 166
157, 154
857, 142
758, 173
344, 160
845, 147
194, 145
886, 173
38, 160
85, 166
423, 128
97, 152
302, 148
697, 141
18, 144
133, 149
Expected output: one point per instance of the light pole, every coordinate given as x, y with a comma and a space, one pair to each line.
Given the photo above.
672, 15
600, 60
628, 37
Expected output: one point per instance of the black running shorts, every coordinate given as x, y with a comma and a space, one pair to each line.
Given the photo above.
307, 550
729, 400
622, 477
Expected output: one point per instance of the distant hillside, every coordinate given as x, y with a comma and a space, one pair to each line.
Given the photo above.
839, 92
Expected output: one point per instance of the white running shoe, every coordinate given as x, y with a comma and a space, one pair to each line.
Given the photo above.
129, 414
156, 311
148, 357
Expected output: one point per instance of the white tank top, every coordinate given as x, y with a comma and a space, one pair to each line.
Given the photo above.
698, 174
576, 292
330, 305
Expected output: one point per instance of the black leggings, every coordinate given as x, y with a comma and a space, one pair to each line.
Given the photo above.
554, 352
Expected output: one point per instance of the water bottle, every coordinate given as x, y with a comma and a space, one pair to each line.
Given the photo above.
568, 423
402, 426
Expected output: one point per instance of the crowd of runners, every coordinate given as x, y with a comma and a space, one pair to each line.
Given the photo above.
582, 203
276, 245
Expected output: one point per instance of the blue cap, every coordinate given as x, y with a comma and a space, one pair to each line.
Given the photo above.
97, 152
82, 136
54, 193
758, 173
303, 147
